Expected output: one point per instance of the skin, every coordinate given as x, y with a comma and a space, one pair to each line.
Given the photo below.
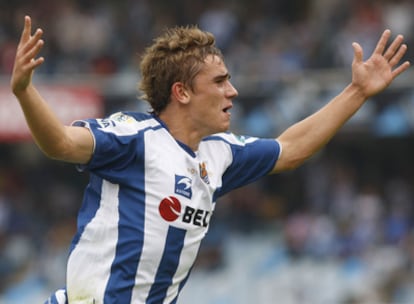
72, 144
194, 114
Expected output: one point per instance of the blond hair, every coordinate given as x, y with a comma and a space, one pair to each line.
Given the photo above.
175, 56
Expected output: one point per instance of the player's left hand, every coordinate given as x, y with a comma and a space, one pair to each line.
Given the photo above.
377, 72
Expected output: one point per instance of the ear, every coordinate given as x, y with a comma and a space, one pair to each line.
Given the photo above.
180, 93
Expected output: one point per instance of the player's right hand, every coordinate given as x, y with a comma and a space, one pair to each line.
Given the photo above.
25, 61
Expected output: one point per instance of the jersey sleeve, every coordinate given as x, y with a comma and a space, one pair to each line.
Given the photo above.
115, 142
251, 160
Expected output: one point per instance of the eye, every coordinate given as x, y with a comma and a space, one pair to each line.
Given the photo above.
222, 79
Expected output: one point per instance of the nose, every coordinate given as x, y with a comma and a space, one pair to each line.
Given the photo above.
232, 92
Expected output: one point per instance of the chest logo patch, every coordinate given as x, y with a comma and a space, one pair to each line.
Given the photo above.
203, 173
183, 186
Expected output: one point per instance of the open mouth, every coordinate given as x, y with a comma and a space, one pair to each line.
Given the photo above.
227, 109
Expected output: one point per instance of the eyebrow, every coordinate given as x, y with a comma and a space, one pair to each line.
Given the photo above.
222, 77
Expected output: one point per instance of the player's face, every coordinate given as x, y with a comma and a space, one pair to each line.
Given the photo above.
212, 96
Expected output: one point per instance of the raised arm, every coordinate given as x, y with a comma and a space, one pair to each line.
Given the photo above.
305, 138
72, 144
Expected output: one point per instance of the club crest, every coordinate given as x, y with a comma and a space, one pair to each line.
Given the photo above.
203, 173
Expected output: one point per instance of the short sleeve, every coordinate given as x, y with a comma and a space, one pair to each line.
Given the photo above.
115, 142
250, 161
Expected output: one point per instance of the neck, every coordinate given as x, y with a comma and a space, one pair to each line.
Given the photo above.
181, 129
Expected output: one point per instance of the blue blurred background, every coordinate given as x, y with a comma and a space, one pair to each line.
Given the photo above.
337, 230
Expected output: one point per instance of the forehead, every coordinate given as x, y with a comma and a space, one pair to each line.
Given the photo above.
213, 65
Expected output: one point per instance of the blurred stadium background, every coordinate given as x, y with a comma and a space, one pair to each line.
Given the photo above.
337, 230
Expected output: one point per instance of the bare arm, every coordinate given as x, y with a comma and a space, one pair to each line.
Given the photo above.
305, 138
72, 144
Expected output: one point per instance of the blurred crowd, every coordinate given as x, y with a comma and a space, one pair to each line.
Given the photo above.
354, 197
264, 36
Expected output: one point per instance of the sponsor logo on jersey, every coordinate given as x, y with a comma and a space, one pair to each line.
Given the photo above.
170, 209
183, 186
197, 217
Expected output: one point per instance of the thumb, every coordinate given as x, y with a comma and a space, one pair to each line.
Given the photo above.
358, 52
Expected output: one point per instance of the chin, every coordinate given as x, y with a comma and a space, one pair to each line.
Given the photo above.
225, 128
219, 128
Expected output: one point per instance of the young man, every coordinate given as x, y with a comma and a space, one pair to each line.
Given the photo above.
155, 178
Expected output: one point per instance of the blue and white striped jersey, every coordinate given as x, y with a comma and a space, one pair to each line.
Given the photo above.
148, 206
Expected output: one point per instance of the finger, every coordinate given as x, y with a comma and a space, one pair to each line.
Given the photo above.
394, 47
26, 29
33, 52
382, 42
31, 47
398, 55
33, 40
400, 69
358, 52
35, 63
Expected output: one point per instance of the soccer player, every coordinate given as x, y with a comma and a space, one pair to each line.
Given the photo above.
155, 177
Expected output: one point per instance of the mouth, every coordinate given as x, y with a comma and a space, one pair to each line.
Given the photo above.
227, 109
